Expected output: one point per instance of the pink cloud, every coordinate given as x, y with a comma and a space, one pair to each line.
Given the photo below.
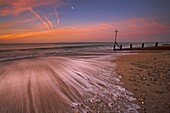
39, 17
128, 30
14, 7
142, 26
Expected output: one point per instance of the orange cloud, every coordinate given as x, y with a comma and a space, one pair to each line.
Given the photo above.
128, 29
74, 33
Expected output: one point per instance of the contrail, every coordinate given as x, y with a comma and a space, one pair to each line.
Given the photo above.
49, 22
56, 14
38, 16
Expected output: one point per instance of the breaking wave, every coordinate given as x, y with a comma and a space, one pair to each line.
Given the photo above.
61, 85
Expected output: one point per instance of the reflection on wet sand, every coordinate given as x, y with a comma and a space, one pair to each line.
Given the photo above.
61, 85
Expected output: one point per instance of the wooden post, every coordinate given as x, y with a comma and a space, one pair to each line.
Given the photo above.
120, 47
114, 47
116, 31
156, 44
142, 45
130, 46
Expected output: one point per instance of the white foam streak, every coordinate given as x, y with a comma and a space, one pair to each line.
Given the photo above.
60, 84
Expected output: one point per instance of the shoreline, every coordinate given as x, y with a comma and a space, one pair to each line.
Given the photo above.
77, 83
63, 84
147, 76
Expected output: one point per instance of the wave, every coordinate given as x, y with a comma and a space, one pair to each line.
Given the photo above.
45, 46
63, 85
25, 51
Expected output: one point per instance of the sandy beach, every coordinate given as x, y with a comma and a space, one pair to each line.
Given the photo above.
147, 76
84, 56
84, 80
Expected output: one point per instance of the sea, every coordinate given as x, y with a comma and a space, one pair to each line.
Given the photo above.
29, 50
75, 77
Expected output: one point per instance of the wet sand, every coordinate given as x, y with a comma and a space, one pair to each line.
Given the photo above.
147, 76
63, 85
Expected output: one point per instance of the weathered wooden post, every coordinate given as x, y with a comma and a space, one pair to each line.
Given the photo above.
130, 46
116, 31
120, 47
142, 45
156, 44
115, 43
114, 47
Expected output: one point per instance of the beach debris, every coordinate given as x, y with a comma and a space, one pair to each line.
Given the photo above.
142, 102
143, 94
144, 78
141, 99
110, 104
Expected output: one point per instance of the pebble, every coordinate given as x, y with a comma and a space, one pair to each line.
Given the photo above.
141, 99
143, 102
144, 78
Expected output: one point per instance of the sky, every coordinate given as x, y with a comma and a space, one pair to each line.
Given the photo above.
44, 21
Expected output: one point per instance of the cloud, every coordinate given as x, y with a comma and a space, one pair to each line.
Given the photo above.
49, 22
144, 26
134, 29
39, 17
14, 7
69, 33
57, 17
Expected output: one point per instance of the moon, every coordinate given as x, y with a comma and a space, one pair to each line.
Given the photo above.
72, 7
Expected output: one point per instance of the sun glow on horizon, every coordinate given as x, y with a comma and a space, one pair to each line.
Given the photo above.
33, 21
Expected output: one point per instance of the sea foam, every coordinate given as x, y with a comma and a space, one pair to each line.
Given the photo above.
63, 84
